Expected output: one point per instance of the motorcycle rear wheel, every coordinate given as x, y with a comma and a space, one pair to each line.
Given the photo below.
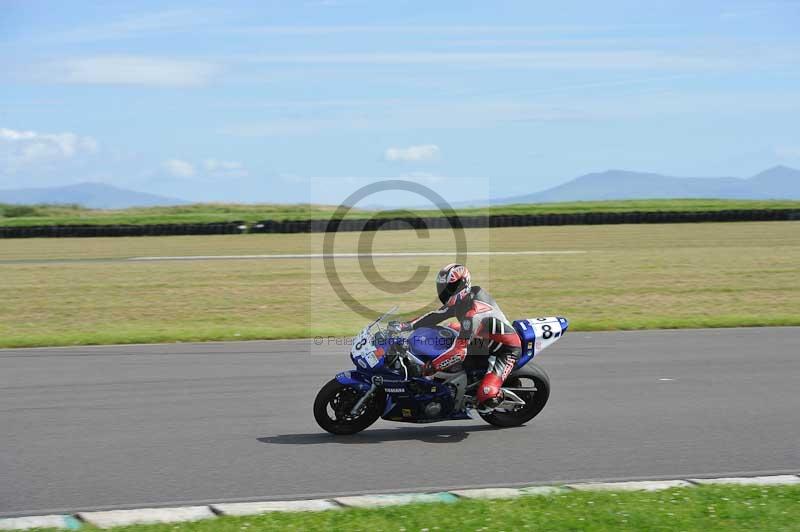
530, 375
335, 401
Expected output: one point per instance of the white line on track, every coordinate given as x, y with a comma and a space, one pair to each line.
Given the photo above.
355, 255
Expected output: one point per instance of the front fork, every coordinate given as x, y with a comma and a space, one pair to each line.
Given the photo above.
364, 399
360, 382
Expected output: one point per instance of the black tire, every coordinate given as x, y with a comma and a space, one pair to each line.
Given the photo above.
534, 401
334, 402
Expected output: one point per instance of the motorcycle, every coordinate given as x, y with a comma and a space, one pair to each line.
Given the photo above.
387, 381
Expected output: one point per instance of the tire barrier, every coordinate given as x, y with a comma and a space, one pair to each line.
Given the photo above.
82, 231
399, 223
526, 220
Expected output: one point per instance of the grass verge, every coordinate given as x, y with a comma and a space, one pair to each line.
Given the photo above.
630, 277
28, 215
705, 508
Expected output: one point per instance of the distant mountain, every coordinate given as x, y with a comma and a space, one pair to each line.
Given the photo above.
779, 182
91, 195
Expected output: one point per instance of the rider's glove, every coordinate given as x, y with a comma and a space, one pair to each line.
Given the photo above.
428, 369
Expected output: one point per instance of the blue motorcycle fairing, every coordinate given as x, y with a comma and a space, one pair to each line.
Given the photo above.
402, 404
362, 382
411, 404
427, 343
356, 379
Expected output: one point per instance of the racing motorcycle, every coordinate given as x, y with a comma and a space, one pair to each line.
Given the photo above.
387, 381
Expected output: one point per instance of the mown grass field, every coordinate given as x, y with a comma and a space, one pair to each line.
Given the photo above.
706, 508
27, 215
79, 291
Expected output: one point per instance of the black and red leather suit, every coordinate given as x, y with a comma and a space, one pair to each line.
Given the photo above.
483, 330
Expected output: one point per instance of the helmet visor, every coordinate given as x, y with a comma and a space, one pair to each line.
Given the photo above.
447, 290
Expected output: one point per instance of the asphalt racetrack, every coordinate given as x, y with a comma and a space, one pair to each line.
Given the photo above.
131, 426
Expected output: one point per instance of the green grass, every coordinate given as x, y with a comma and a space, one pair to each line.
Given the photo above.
705, 508
26, 215
631, 277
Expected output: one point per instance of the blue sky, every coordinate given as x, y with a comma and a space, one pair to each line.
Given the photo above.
306, 101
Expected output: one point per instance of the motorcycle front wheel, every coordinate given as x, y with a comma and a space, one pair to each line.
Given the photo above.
537, 385
334, 403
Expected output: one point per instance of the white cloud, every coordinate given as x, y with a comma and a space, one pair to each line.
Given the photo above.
178, 168
423, 152
25, 149
217, 168
128, 70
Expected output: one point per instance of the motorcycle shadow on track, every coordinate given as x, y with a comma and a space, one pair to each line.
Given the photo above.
427, 434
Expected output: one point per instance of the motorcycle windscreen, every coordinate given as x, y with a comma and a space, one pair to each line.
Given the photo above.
427, 343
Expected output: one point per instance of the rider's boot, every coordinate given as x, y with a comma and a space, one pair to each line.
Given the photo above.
489, 393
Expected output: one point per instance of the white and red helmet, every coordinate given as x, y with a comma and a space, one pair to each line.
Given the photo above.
451, 280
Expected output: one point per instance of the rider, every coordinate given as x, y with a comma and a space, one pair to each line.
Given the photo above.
482, 326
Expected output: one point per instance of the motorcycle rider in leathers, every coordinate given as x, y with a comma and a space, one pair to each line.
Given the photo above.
483, 328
